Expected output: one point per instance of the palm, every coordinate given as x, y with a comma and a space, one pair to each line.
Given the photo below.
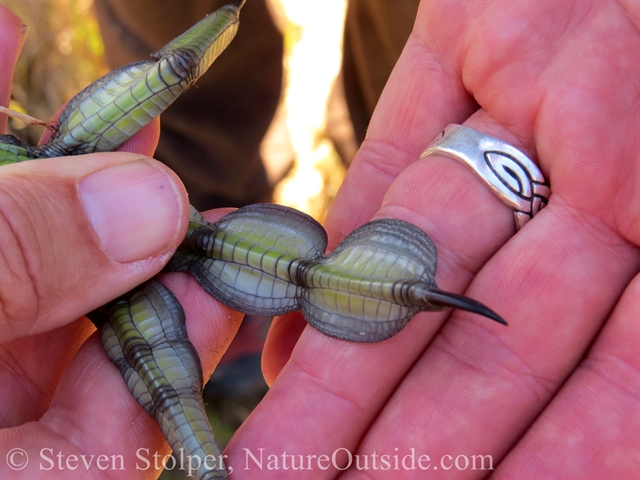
559, 81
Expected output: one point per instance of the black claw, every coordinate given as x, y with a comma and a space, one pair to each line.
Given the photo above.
453, 300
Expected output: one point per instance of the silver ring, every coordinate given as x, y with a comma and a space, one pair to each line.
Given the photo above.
509, 173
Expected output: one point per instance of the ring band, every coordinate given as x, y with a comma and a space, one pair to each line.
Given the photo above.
509, 173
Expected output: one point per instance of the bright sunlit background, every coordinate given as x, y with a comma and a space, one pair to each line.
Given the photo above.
311, 65
64, 53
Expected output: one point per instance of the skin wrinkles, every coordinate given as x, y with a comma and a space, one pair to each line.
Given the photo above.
549, 333
19, 376
631, 11
612, 370
516, 371
15, 239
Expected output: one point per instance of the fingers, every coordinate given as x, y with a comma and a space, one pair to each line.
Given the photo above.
480, 388
71, 224
27, 382
332, 388
210, 325
478, 385
144, 142
423, 94
12, 36
282, 338
36, 242
90, 396
595, 410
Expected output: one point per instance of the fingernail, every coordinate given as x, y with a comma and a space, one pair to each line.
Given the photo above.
134, 209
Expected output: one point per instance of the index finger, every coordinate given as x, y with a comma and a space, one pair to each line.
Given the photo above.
408, 115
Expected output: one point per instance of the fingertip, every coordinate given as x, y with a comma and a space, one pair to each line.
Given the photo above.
12, 36
281, 340
13, 33
216, 214
145, 141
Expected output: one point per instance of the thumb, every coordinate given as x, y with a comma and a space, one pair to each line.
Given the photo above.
76, 232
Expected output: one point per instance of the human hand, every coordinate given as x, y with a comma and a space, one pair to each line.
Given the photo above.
555, 394
76, 233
